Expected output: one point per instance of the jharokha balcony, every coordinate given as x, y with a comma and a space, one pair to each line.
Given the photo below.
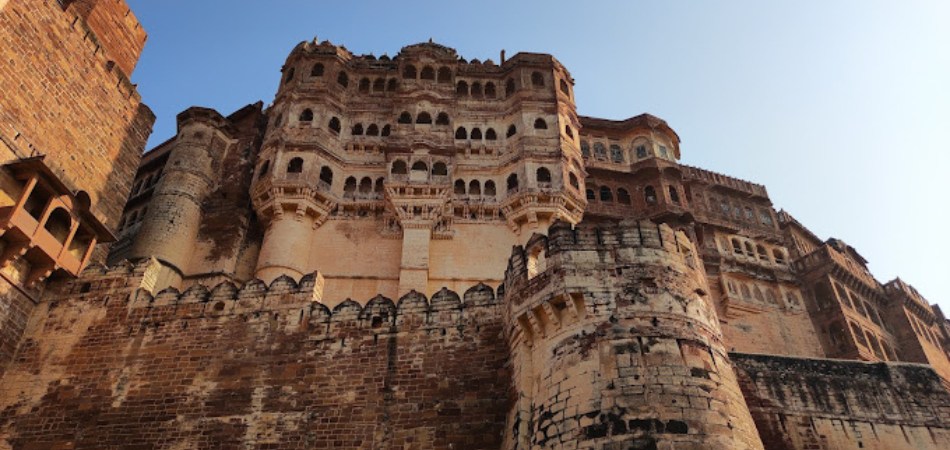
48, 226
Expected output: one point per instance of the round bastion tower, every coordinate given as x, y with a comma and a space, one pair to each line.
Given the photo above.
171, 223
615, 345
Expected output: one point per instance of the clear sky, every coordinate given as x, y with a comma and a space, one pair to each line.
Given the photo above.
841, 108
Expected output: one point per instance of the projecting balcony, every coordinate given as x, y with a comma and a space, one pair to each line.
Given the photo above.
48, 226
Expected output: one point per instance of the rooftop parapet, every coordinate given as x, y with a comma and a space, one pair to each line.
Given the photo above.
695, 173
299, 302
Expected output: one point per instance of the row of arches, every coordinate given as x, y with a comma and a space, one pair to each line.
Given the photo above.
147, 182
132, 218
476, 90
365, 186
371, 130
423, 118
474, 188
400, 167
743, 247
763, 295
442, 74
606, 195
600, 152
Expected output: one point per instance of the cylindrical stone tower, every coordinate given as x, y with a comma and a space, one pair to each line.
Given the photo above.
286, 246
171, 223
615, 345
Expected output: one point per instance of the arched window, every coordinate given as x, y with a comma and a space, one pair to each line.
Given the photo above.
306, 115
616, 154
409, 72
512, 130
420, 166
335, 125
600, 152
736, 246
591, 196
490, 135
760, 250
509, 87
461, 88
606, 195
537, 80
58, 224
748, 249
342, 79
326, 175
440, 168
264, 168
489, 188
278, 120
386, 130
380, 184
424, 118
490, 90
585, 149
574, 181
428, 73
460, 187
474, 188
445, 75
366, 185
442, 119
391, 85
405, 117
641, 151
317, 70
749, 214
565, 88
746, 293
649, 194
779, 256
461, 133
512, 183
364, 85
540, 124
623, 196
674, 196
399, 167
350, 185
543, 175
569, 132
476, 134
379, 85
476, 89
295, 165
290, 75
372, 130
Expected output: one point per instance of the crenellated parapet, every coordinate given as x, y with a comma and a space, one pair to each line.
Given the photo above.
614, 341
293, 304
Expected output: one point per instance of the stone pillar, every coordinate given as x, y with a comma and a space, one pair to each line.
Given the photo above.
414, 270
286, 246
614, 345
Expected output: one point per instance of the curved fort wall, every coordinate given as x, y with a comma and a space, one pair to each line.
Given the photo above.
615, 345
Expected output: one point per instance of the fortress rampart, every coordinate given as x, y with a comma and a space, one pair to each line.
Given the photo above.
613, 343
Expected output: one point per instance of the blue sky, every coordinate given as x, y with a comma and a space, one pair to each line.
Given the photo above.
841, 108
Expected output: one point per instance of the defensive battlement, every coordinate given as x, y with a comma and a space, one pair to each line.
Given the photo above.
284, 297
708, 176
526, 261
207, 115
432, 50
